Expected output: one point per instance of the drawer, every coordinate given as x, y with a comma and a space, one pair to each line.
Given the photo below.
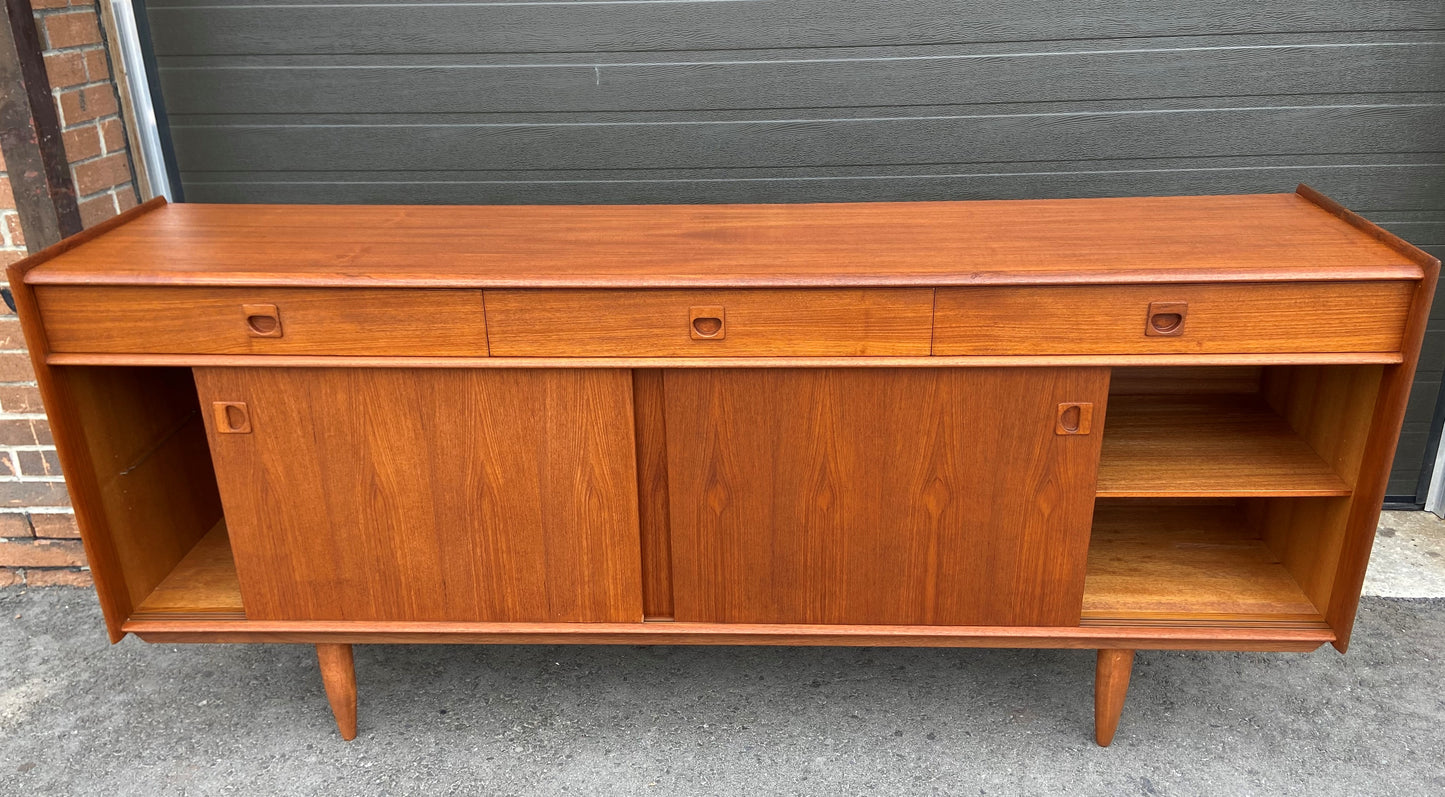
710, 323
1241, 318
357, 321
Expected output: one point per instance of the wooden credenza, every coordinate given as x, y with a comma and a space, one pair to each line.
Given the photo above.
1114, 424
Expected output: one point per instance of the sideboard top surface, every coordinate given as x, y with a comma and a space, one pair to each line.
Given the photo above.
1066, 241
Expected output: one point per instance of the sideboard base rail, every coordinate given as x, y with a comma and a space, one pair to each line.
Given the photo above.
669, 633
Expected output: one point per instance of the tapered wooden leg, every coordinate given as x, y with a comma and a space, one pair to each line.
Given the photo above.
338, 675
1111, 683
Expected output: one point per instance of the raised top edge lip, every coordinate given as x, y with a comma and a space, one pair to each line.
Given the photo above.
1078, 277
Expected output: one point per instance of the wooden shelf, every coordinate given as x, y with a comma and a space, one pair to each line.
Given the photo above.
1187, 565
203, 585
1207, 446
1154, 565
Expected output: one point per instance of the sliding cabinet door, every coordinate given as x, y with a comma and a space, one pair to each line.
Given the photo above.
428, 494
899, 496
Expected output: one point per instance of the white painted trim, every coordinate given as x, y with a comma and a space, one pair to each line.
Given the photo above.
152, 157
1435, 499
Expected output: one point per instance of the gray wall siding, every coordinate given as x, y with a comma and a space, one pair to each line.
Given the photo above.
815, 100
1428, 233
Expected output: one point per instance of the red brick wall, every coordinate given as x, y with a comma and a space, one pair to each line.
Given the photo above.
38, 539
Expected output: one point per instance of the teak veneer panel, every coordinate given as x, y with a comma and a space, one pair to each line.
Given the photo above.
352, 321
1187, 564
1329, 407
1184, 379
397, 494
1219, 319
1147, 239
656, 323
203, 584
871, 496
1216, 445
1332, 409
1307, 535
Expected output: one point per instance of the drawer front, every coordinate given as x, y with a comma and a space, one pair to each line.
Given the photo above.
355, 321
1172, 319
710, 323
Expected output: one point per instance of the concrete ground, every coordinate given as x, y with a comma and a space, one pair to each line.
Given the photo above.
78, 716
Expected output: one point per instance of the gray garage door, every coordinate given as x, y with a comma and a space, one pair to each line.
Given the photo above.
815, 100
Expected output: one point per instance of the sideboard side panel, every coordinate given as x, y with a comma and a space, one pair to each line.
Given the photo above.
419, 494
889, 496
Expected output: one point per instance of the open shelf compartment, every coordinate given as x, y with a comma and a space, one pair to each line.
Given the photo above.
1149, 564
1227, 445
1187, 565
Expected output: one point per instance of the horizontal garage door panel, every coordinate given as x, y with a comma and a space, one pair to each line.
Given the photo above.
1044, 72
344, 26
1399, 186
983, 138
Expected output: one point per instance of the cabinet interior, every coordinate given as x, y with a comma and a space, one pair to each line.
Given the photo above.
144, 483
1222, 493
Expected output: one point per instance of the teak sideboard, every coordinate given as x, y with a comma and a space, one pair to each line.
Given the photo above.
1112, 424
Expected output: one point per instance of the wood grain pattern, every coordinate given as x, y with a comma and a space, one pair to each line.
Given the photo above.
1153, 239
1375, 459
1111, 684
1306, 535
203, 584
1177, 380
338, 677
1197, 564
652, 502
1388, 414
876, 322
1331, 408
1215, 445
862, 497
1426, 260
1320, 316
19, 269
214, 321
431, 495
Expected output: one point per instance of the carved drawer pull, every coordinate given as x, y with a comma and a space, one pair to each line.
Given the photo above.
706, 323
1166, 319
1074, 418
232, 417
262, 320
